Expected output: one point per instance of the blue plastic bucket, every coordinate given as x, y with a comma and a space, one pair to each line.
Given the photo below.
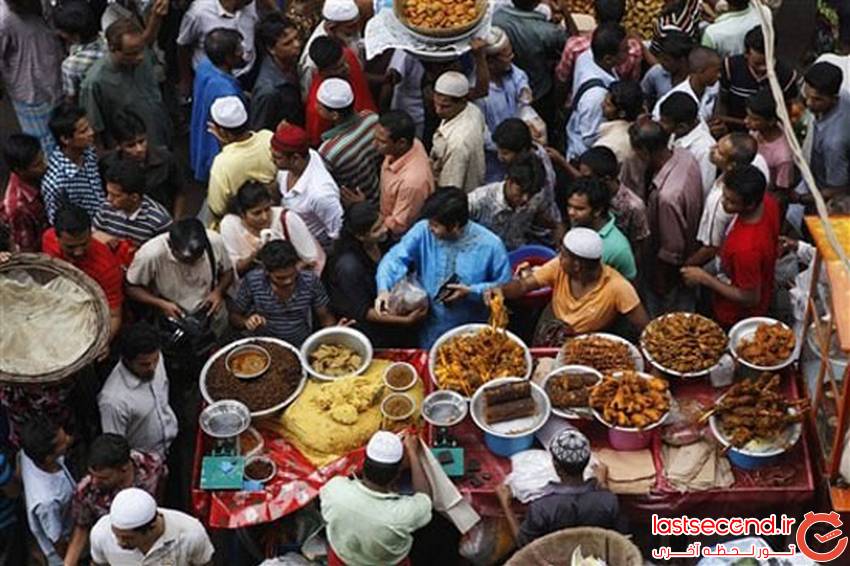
534, 255
507, 447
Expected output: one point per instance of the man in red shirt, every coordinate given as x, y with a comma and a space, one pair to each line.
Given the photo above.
71, 240
21, 207
744, 286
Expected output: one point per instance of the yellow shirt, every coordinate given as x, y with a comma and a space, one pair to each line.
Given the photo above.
596, 310
237, 163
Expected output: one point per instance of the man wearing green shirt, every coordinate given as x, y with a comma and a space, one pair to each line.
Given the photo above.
588, 206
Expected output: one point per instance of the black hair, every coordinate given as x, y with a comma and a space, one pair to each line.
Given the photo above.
607, 39
63, 122
137, 339
250, 195
127, 174
221, 43
118, 29
754, 40
628, 97
648, 135
747, 182
20, 151
325, 52
278, 254
380, 474
108, 452
744, 148
76, 17
609, 10
527, 172
598, 195
38, 437
825, 78
602, 161
399, 124
526, 5
449, 206
680, 107
270, 28
126, 126
762, 104
701, 58
738, 4
188, 236
71, 219
359, 219
513, 134
676, 44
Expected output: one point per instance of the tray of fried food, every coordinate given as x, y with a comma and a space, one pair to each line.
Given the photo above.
631, 401
755, 417
440, 18
683, 344
568, 388
763, 343
601, 351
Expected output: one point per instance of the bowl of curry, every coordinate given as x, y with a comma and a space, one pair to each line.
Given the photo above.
441, 19
248, 361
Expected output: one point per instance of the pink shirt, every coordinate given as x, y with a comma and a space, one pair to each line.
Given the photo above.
779, 159
578, 44
675, 208
405, 184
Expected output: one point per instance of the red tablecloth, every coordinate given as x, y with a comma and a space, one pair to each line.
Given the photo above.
297, 481
754, 492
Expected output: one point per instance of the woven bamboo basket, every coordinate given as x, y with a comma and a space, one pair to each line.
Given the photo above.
441, 33
44, 268
556, 549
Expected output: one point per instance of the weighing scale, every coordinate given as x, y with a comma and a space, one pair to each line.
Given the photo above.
444, 409
224, 421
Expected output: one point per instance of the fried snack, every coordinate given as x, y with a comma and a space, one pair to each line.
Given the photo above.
755, 410
498, 312
440, 14
684, 343
569, 390
771, 344
467, 361
631, 401
335, 360
602, 354
507, 392
346, 399
517, 409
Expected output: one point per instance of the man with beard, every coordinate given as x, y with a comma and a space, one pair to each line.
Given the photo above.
340, 21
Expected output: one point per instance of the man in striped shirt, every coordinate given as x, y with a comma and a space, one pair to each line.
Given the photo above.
129, 213
348, 148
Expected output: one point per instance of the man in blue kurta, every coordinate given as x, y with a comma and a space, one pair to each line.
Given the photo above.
213, 79
435, 249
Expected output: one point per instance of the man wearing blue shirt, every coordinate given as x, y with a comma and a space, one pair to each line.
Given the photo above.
446, 249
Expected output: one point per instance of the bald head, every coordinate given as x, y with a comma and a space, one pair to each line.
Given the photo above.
647, 136
734, 150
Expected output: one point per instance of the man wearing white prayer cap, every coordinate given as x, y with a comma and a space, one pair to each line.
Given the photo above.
341, 21
136, 532
367, 522
587, 295
244, 156
457, 153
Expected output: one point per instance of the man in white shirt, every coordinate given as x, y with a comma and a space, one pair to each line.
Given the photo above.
726, 34
48, 486
136, 532
702, 84
134, 400
679, 118
594, 72
306, 186
341, 21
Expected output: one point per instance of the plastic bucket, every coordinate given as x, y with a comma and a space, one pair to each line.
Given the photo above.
629, 440
507, 447
748, 462
534, 256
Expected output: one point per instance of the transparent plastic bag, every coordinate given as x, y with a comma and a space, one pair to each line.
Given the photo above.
407, 296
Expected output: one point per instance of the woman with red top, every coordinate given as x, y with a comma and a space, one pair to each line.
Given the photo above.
744, 286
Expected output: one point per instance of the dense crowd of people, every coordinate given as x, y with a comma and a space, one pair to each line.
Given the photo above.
658, 172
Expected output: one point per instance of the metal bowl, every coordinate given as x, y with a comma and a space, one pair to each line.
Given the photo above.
755, 457
746, 329
656, 424
246, 348
225, 419
401, 417
339, 336
637, 357
444, 408
265, 459
661, 368
202, 380
472, 329
573, 412
444, 35
403, 366
517, 428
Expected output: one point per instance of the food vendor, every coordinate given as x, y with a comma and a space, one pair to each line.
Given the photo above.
449, 253
587, 296
367, 523
572, 502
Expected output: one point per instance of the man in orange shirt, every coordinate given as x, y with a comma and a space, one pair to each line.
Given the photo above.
587, 296
406, 176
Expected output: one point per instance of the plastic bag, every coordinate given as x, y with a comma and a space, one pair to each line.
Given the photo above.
488, 542
531, 473
407, 296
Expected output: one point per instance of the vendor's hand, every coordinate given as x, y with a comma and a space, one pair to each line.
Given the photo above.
346, 322
171, 310
382, 303
458, 292
411, 445
415, 316
160, 8
214, 301
490, 293
477, 45
504, 495
556, 156
351, 196
254, 321
693, 276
